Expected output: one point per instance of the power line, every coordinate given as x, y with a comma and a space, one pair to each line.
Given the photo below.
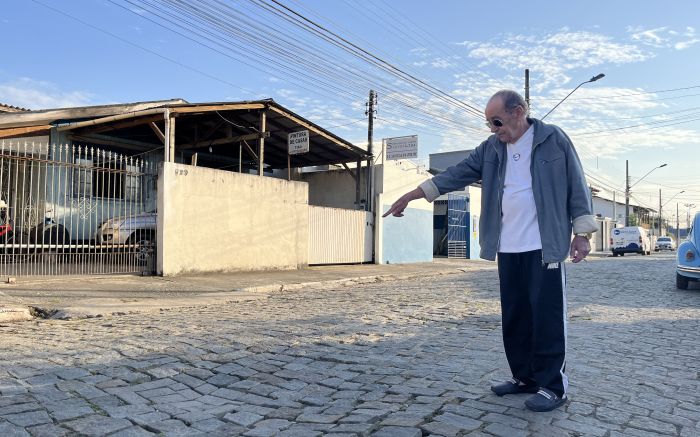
370, 57
615, 96
297, 75
152, 52
645, 127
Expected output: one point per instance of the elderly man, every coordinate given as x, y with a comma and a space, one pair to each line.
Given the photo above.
534, 196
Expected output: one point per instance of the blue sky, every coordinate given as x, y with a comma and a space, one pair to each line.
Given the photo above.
646, 110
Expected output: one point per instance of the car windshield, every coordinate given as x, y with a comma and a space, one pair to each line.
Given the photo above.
664, 239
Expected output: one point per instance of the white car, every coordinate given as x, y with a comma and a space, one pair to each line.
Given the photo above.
138, 230
664, 243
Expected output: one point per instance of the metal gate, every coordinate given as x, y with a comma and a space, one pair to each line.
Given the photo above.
457, 226
339, 236
69, 209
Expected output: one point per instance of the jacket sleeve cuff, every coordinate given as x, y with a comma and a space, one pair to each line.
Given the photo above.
585, 224
430, 189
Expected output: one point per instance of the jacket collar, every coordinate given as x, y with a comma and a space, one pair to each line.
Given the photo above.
542, 131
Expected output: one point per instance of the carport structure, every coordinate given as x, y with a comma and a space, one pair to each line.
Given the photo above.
93, 164
237, 136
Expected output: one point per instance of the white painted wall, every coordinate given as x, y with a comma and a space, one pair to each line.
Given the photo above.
335, 188
474, 216
604, 207
212, 220
402, 239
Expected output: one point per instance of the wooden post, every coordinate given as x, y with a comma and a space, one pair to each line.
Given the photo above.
169, 136
289, 167
357, 183
166, 136
261, 143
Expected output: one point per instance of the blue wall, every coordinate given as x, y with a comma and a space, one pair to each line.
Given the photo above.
407, 239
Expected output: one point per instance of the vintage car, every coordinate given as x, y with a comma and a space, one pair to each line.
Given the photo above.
688, 257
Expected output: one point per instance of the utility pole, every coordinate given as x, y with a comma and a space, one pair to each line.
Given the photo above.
614, 210
661, 234
687, 226
370, 132
527, 89
678, 232
627, 193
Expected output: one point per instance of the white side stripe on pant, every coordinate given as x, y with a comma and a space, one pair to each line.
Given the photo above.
564, 378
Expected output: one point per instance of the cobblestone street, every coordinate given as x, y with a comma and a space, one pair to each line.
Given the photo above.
398, 358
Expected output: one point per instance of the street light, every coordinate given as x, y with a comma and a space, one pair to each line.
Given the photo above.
593, 79
661, 207
687, 226
628, 187
674, 196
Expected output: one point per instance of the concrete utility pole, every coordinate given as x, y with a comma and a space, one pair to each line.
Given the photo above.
678, 232
661, 234
527, 89
370, 132
627, 192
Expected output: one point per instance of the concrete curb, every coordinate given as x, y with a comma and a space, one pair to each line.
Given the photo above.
217, 292
152, 300
109, 308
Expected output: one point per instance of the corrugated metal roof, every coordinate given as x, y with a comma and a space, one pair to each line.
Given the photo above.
213, 130
10, 108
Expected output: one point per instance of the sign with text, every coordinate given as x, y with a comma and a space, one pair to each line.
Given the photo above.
298, 142
401, 147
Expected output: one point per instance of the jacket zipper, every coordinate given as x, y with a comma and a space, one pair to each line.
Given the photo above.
532, 178
501, 186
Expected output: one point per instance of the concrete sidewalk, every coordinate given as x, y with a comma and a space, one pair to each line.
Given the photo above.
94, 296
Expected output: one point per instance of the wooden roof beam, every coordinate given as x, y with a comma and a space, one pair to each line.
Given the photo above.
227, 140
15, 132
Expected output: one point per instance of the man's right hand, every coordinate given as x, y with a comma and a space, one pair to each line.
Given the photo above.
397, 208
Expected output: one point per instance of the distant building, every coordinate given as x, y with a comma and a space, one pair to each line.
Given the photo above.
445, 216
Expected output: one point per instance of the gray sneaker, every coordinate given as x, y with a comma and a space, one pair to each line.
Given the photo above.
513, 386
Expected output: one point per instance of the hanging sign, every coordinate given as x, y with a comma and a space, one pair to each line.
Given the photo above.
298, 142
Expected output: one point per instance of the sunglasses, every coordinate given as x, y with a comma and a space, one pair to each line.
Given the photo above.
494, 123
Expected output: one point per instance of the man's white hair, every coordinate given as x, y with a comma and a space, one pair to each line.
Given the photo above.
511, 100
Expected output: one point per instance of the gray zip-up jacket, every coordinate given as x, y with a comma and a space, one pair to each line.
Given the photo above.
562, 199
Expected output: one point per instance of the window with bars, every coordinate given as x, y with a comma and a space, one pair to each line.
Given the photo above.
111, 180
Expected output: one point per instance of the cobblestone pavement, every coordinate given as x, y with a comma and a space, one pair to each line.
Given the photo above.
401, 358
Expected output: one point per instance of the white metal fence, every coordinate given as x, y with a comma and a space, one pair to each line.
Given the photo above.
339, 236
69, 209
457, 226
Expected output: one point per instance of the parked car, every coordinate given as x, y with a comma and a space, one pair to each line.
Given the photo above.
688, 257
630, 239
664, 243
138, 229
5, 223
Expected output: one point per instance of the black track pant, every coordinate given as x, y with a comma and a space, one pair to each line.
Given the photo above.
533, 307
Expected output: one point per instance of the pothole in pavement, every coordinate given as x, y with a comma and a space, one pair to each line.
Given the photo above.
41, 313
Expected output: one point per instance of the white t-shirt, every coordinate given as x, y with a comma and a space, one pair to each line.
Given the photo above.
519, 229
